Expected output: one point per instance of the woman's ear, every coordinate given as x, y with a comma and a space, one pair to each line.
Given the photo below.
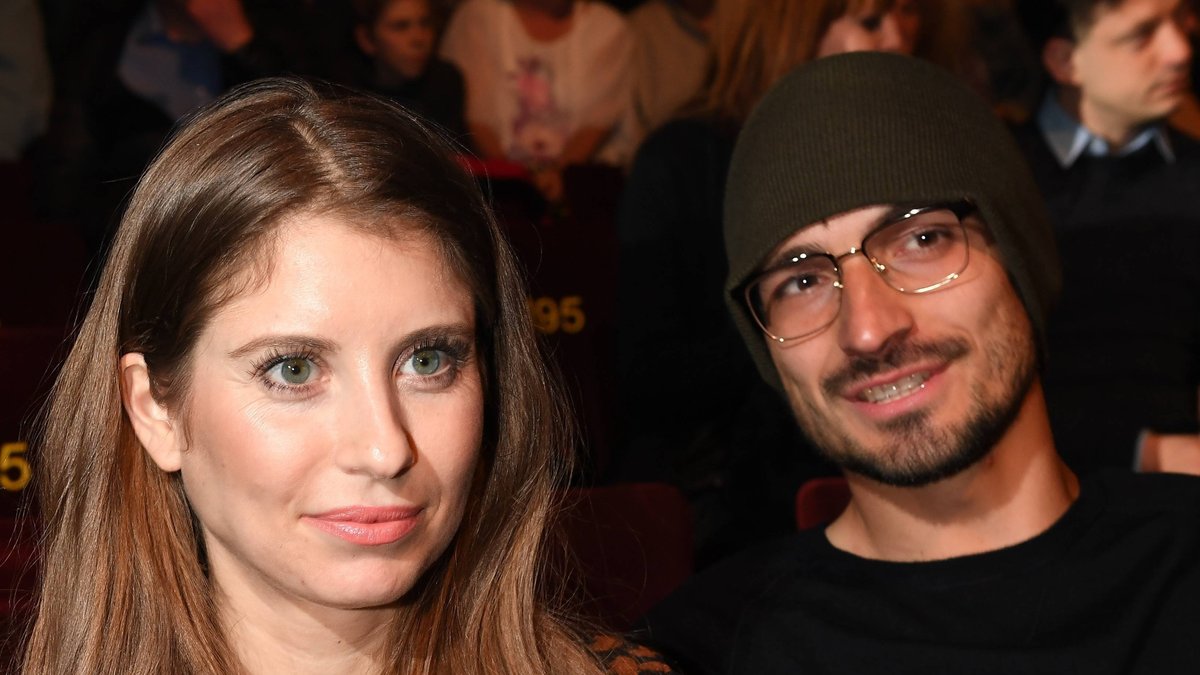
153, 425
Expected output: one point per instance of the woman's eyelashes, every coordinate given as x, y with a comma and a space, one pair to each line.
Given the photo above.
294, 373
434, 363
431, 364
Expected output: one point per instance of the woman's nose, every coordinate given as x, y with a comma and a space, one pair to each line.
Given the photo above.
378, 441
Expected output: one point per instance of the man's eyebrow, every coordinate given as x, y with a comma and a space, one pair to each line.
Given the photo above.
891, 215
285, 343
791, 252
1139, 29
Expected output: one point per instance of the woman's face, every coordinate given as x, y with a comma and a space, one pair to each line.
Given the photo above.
870, 29
335, 419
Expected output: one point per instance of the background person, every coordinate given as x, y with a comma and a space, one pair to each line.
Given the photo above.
125, 71
548, 82
671, 59
1120, 184
398, 36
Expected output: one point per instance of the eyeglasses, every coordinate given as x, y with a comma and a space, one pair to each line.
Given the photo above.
922, 250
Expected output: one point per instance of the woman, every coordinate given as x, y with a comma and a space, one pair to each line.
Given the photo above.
304, 426
705, 421
548, 82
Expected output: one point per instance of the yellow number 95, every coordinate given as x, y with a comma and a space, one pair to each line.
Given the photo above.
551, 315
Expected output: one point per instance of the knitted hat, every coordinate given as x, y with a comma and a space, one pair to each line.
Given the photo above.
864, 129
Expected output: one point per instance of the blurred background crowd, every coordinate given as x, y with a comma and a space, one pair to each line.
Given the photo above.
601, 130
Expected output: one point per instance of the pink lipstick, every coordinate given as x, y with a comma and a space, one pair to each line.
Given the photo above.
367, 525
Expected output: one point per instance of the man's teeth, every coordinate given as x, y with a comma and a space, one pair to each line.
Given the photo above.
894, 390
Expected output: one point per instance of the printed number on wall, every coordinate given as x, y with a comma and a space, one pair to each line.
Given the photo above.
14, 469
551, 315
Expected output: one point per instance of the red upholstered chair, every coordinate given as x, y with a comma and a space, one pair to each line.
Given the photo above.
632, 544
820, 500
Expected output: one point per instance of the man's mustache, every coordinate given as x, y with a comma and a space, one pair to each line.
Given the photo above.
862, 367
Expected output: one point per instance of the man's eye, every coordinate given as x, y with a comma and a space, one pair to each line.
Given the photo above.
926, 238
800, 284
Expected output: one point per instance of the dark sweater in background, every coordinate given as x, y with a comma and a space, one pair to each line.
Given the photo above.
437, 95
1125, 337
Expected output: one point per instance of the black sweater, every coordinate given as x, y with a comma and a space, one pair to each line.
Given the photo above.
1112, 587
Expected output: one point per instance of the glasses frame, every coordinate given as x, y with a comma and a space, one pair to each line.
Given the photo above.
961, 209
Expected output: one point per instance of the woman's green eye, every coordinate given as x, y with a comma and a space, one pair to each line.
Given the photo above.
427, 362
295, 371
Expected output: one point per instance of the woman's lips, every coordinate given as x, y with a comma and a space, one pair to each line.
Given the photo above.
367, 525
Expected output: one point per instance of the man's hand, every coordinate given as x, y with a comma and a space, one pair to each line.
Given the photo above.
1172, 453
223, 21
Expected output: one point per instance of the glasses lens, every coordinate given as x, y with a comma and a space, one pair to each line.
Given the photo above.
920, 252
797, 298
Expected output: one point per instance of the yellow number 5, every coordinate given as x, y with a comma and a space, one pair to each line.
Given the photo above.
570, 311
10, 458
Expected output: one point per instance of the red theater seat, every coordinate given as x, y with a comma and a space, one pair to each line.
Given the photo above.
820, 500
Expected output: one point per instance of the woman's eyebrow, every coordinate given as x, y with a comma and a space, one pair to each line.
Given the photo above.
305, 343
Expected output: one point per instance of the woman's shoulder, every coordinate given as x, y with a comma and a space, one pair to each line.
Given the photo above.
622, 657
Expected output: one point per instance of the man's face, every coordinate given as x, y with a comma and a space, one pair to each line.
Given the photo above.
1131, 64
907, 389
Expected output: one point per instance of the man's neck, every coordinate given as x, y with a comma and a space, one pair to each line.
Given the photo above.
1017, 492
1116, 131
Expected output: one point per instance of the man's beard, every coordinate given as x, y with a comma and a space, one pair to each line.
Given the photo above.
916, 451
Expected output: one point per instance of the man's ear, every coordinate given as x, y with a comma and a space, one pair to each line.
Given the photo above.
152, 424
362, 35
1058, 57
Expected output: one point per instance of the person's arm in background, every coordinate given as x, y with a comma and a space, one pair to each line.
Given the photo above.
468, 44
608, 98
223, 21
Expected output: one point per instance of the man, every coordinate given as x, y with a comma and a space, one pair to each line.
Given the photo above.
891, 268
1124, 193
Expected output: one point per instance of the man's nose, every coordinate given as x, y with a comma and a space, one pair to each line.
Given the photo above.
873, 315
1175, 43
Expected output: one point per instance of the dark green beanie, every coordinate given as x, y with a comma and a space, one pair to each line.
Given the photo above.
864, 129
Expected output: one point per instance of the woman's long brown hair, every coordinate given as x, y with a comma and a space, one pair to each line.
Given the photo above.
124, 586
